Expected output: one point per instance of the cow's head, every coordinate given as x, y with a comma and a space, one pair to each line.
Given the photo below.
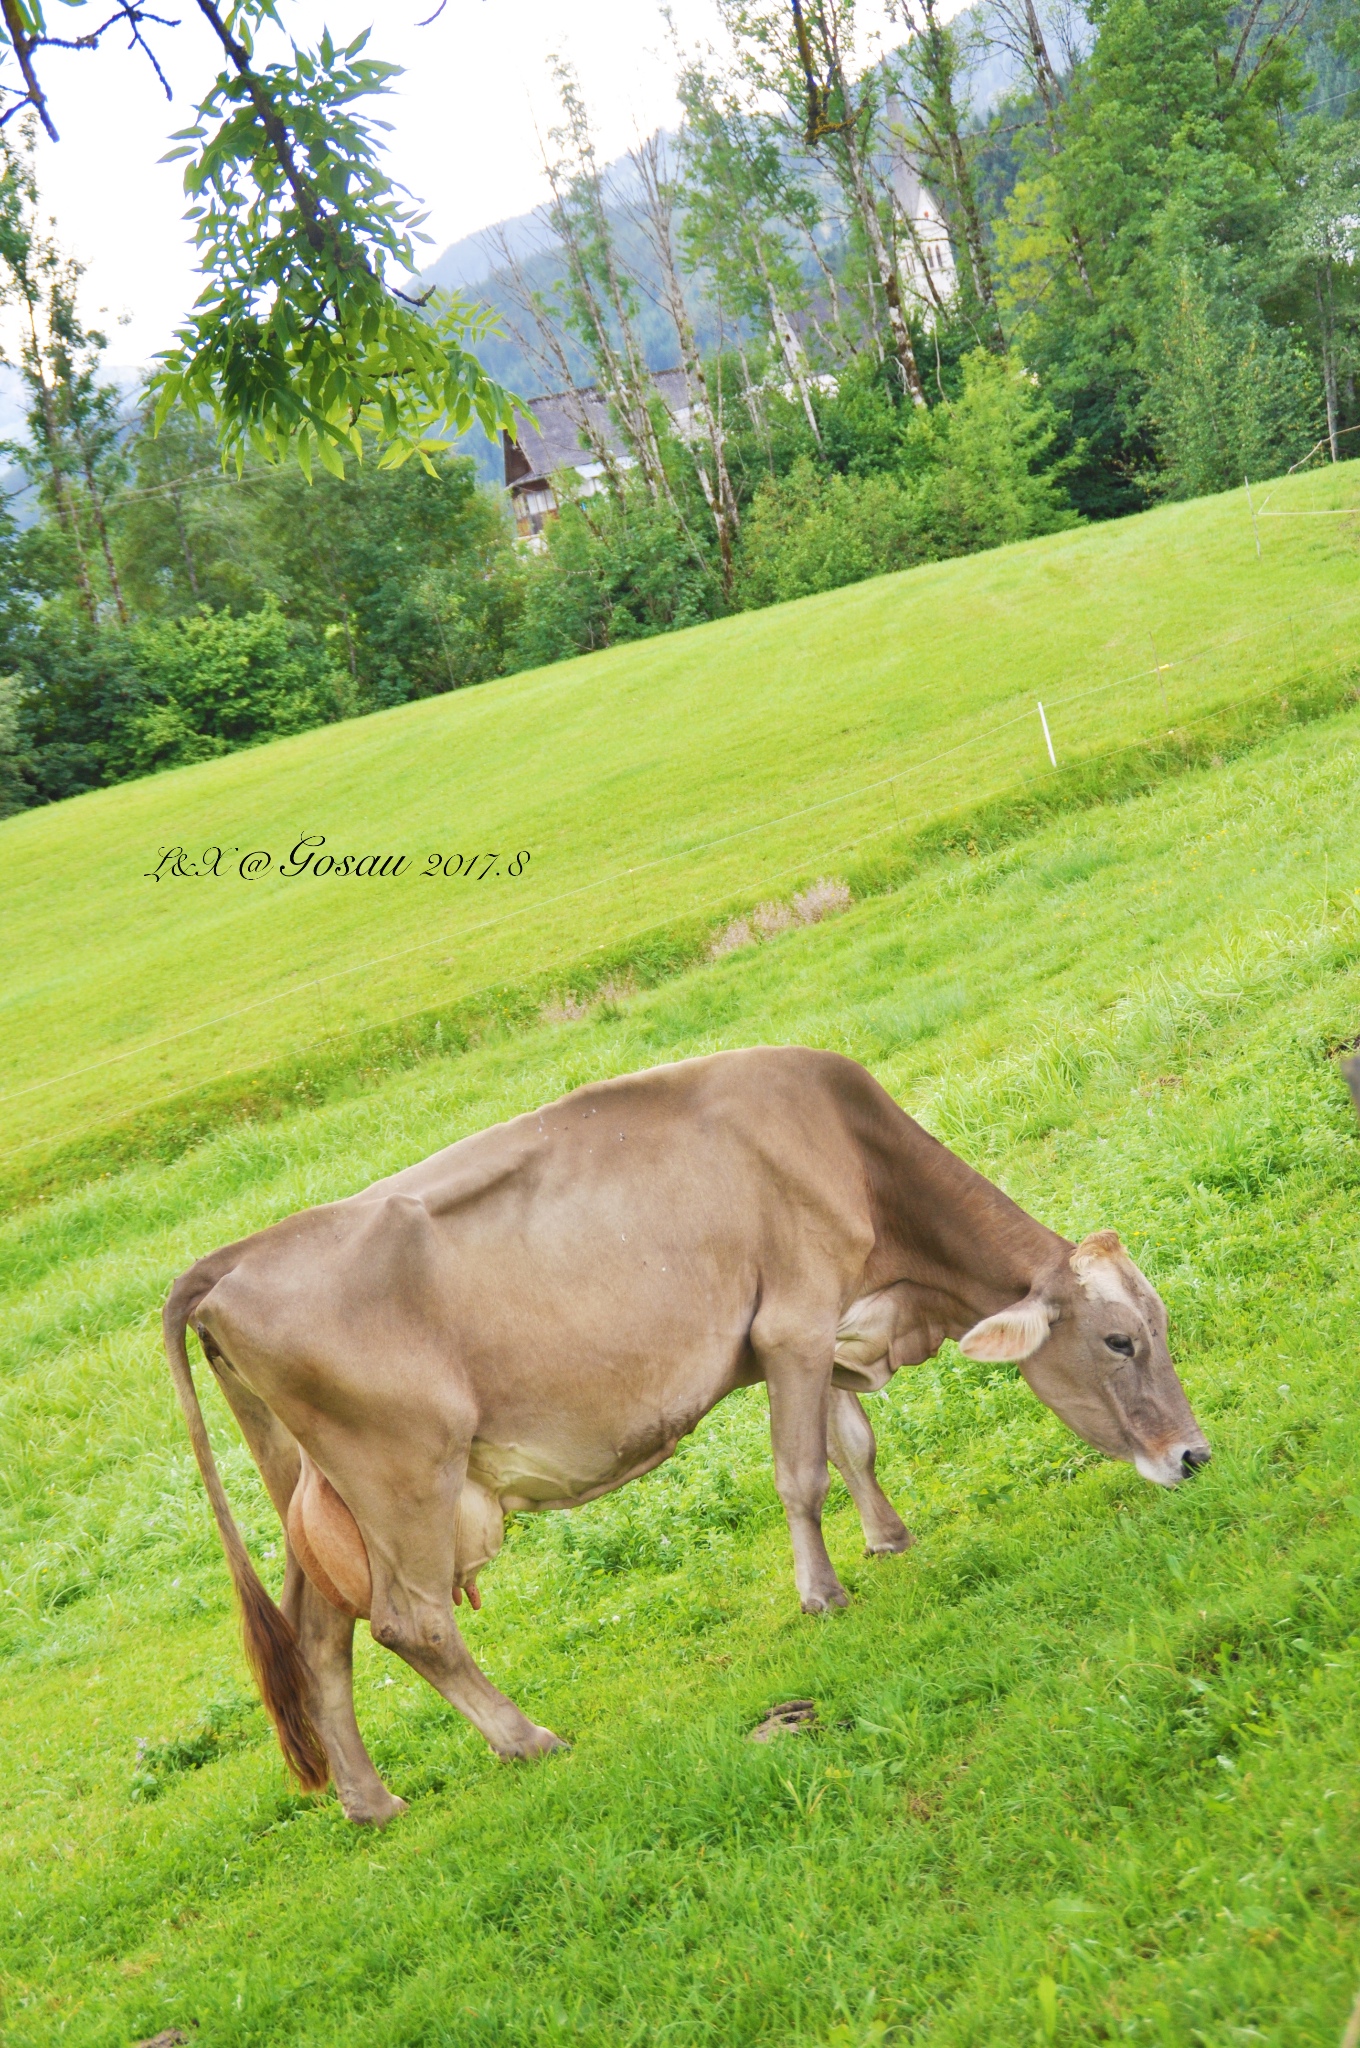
1090, 1337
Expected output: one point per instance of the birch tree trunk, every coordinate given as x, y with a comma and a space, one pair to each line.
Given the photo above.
547, 349
888, 278
1322, 286
930, 55
789, 346
67, 510
581, 222
717, 485
101, 528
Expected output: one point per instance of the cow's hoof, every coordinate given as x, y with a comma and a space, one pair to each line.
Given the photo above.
822, 1603
375, 1813
538, 1742
893, 1546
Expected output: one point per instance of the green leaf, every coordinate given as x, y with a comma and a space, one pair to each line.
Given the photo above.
329, 456
1046, 1992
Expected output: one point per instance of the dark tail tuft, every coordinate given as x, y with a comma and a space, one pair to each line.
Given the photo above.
270, 1644
274, 1657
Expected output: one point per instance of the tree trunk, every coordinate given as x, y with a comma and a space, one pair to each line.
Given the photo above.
612, 373
946, 145
581, 222
183, 532
1045, 77
100, 527
717, 488
1046, 84
755, 410
552, 359
909, 224
888, 278
67, 510
978, 261
833, 294
789, 346
1323, 291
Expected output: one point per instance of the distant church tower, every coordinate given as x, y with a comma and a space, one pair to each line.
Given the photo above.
925, 258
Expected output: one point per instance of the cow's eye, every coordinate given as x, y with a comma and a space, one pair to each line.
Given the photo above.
1120, 1343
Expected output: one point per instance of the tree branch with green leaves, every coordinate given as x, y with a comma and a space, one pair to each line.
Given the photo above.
300, 343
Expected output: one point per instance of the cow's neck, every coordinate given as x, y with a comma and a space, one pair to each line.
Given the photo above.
967, 1249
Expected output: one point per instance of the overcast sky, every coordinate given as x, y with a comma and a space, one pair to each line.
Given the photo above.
464, 121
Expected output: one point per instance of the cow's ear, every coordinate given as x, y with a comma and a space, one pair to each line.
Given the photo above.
1010, 1335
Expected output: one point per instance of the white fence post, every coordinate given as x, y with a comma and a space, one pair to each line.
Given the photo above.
1048, 737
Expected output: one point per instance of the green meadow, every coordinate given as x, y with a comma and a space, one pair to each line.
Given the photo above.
649, 785
1085, 1767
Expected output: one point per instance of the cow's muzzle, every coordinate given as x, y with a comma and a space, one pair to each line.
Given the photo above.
1177, 1463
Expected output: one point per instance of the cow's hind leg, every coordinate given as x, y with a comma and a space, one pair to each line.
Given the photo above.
410, 1533
325, 1635
850, 1440
326, 1639
422, 1630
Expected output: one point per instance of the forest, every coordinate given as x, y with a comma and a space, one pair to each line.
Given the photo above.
907, 324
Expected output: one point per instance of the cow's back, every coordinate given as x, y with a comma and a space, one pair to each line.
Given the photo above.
581, 1281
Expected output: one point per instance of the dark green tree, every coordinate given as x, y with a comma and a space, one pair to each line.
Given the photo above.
185, 531
72, 451
1167, 167
407, 576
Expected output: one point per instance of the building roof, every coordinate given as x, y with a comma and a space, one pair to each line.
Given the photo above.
554, 438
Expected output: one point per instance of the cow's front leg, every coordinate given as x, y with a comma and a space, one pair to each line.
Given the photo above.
798, 1380
326, 1640
850, 1439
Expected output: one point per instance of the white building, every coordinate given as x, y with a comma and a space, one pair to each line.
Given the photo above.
925, 254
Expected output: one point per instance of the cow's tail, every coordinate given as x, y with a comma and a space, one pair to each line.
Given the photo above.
270, 1643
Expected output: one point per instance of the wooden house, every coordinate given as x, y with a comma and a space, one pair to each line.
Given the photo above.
574, 430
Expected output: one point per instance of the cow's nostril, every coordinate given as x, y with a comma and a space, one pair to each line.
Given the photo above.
1192, 1460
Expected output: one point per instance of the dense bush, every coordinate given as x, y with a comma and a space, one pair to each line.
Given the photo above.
251, 608
814, 530
610, 570
986, 472
212, 682
963, 476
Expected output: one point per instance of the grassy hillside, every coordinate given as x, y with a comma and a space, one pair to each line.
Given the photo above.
652, 786
1087, 1768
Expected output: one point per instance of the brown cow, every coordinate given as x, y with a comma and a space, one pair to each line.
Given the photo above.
539, 1313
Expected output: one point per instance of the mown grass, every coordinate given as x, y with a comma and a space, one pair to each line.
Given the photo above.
1086, 1767
348, 1062
653, 785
